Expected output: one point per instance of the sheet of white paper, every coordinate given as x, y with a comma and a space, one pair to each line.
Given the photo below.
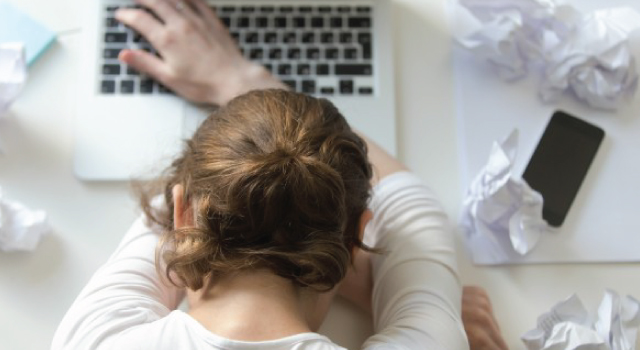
20, 228
568, 326
13, 73
583, 53
502, 215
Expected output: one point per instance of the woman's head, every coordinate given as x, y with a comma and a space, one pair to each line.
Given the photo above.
273, 180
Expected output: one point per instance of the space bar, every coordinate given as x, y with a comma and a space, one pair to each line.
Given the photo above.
353, 69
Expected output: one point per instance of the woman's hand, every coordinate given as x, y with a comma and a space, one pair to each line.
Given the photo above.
198, 58
479, 322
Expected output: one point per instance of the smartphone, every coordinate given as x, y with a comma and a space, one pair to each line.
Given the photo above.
560, 163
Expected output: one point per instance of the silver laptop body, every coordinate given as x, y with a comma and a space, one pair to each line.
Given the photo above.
128, 126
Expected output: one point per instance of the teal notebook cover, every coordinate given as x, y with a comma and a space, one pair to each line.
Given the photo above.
17, 26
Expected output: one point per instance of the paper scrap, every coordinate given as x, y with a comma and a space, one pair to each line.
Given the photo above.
20, 228
586, 54
13, 73
568, 325
502, 215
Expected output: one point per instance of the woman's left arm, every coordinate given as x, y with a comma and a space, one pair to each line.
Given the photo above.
125, 292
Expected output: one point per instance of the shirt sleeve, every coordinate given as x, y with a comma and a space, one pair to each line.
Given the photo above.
417, 293
125, 292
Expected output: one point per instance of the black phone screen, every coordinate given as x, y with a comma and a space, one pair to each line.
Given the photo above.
560, 163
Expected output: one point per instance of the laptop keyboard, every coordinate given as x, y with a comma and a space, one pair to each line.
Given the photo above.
319, 50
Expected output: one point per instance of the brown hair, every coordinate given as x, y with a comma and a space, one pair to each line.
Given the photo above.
276, 180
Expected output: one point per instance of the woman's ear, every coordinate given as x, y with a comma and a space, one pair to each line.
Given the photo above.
179, 213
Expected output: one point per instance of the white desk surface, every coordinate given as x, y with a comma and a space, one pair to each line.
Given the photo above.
90, 218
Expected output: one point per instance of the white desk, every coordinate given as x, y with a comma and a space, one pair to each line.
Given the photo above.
90, 218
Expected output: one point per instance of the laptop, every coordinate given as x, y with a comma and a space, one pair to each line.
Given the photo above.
129, 126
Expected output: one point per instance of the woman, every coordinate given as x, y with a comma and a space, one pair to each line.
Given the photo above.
262, 220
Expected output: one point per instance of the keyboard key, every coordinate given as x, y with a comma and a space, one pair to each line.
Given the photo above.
228, 9
111, 69
365, 91
247, 9
270, 37
108, 86
294, 54
112, 8
286, 9
262, 22
331, 53
346, 37
305, 9
363, 9
115, 37
111, 53
132, 71
350, 53
146, 86
322, 69
324, 9
269, 67
353, 69
308, 86
242, 22
291, 83
326, 37
267, 9
280, 22
365, 40
335, 22
251, 37
289, 37
327, 90
275, 53
126, 87
256, 53
304, 69
313, 53
308, 37
111, 22
359, 22
284, 69
226, 21
346, 87
344, 9
235, 36
299, 22
317, 22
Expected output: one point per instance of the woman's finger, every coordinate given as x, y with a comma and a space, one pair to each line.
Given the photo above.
164, 9
145, 63
141, 21
207, 14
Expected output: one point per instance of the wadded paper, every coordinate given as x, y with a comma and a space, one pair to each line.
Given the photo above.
585, 53
502, 215
20, 228
568, 326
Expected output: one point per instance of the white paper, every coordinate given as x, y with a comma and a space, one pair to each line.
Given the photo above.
20, 228
568, 326
502, 215
13, 73
586, 54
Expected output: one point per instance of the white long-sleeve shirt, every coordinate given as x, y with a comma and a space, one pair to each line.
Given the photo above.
416, 295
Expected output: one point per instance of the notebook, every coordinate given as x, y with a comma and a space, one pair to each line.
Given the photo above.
17, 26
130, 126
